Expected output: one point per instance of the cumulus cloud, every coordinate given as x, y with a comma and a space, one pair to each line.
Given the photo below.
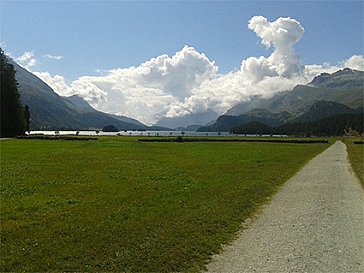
188, 82
312, 70
257, 75
142, 92
282, 34
27, 60
53, 57
355, 62
176, 75
57, 82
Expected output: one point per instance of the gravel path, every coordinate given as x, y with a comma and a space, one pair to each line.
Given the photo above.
315, 223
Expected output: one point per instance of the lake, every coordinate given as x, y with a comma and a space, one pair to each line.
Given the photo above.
141, 133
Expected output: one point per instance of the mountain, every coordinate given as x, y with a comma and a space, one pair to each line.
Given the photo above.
189, 128
346, 78
336, 125
188, 120
326, 95
346, 87
225, 122
253, 128
324, 109
80, 103
297, 101
49, 111
129, 120
324, 118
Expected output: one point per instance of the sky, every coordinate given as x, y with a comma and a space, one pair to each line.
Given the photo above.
154, 59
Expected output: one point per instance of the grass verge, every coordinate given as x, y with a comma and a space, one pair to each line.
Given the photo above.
117, 204
356, 157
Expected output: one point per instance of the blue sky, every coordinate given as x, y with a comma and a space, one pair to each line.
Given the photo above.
94, 35
154, 59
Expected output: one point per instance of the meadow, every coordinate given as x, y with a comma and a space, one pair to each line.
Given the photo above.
116, 204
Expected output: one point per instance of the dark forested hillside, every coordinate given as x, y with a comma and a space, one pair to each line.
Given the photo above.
331, 126
324, 109
253, 128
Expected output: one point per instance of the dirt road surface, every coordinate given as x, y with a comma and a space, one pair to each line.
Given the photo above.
315, 223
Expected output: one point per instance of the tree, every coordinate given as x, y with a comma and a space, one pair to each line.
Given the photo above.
12, 111
27, 118
253, 127
110, 128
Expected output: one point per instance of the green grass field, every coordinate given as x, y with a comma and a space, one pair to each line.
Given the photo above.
117, 204
356, 157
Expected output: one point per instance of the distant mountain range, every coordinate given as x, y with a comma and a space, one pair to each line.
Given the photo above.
189, 121
297, 101
225, 122
327, 95
342, 79
49, 111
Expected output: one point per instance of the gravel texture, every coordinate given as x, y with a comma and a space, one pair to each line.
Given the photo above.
315, 223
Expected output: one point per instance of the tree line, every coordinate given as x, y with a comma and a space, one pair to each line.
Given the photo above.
14, 116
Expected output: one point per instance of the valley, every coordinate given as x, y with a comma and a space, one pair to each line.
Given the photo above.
182, 136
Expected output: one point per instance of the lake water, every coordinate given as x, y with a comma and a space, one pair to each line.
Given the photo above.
139, 133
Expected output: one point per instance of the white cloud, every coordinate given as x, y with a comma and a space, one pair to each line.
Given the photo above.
27, 60
57, 82
257, 76
53, 57
282, 34
142, 92
188, 82
145, 91
355, 62
312, 70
